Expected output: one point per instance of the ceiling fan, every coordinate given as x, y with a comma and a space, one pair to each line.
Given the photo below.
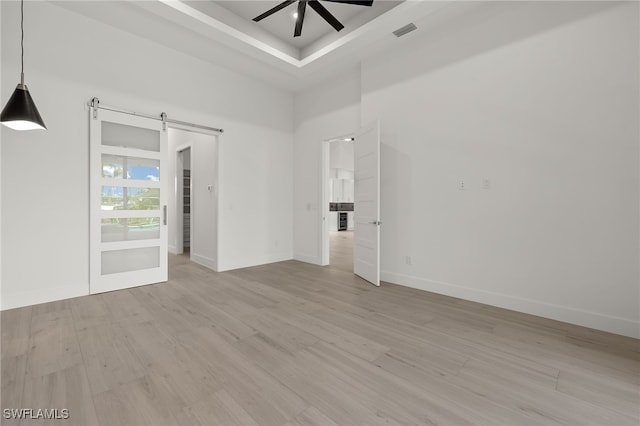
315, 5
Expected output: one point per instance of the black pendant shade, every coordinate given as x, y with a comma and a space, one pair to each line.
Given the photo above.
20, 112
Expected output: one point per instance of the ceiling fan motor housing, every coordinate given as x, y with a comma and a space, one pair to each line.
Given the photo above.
316, 6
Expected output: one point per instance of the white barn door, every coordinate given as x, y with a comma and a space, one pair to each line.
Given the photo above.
366, 247
128, 185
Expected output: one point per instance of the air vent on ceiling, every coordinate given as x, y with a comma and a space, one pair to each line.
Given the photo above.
404, 30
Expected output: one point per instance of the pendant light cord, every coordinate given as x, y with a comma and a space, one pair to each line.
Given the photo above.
22, 42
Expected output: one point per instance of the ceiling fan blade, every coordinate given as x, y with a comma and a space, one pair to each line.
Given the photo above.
302, 7
355, 2
274, 10
322, 11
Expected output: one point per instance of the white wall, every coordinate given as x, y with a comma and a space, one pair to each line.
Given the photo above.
323, 112
203, 163
69, 59
341, 155
186, 159
3, 95
541, 100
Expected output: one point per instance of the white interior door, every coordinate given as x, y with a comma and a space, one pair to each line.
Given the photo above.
366, 247
128, 184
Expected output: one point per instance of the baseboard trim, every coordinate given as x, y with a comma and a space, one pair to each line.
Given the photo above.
314, 260
207, 262
255, 261
612, 324
29, 298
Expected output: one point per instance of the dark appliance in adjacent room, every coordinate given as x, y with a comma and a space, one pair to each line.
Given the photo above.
342, 221
345, 207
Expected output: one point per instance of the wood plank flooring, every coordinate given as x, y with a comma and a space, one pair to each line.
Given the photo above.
297, 344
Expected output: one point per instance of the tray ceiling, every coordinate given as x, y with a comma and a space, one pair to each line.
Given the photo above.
281, 24
223, 32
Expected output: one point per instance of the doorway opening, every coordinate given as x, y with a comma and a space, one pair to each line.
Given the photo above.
184, 202
193, 204
365, 182
338, 202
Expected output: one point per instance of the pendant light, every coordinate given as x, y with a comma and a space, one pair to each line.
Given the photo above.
20, 112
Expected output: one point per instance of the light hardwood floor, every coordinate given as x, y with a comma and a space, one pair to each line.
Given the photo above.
296, 344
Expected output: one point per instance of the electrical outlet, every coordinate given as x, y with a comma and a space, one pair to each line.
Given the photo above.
408, 260
486, 183
461, 185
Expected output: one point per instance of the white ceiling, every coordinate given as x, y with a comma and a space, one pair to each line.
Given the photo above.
222, 32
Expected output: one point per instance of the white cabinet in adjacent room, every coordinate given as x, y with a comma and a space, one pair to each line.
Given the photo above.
341, 188
333, 221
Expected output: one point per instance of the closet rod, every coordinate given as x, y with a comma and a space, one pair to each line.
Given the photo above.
95, 103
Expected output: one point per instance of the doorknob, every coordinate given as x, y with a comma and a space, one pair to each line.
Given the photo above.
376, 222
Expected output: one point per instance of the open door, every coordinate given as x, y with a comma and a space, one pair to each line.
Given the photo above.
128, 216
366, 244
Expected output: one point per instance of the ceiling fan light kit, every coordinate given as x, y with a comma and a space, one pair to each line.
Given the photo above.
317, 7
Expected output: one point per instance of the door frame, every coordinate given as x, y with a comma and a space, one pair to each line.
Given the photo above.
178, 222
325, 170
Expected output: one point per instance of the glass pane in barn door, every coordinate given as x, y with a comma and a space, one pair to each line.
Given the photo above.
128, 224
